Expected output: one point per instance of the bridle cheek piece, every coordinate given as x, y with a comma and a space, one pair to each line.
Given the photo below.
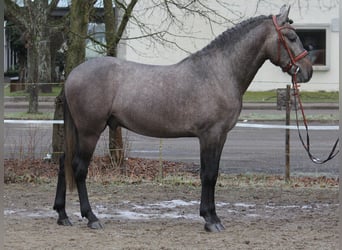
293, 59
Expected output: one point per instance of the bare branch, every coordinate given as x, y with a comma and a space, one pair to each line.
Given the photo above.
173, 16
14, 13
53, 4
125, 18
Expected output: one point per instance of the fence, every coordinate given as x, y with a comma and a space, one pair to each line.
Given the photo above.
36, 135
241, 125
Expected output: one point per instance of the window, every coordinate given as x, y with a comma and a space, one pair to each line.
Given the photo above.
315, 41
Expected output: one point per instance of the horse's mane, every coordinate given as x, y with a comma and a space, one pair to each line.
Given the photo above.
231, 35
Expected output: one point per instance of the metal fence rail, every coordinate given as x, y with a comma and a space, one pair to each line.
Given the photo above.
241, 125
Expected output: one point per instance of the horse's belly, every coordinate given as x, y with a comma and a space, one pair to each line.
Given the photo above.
157, 127
159, 132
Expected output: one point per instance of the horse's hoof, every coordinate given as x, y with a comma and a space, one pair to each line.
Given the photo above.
213, 227
64, 222
95, 225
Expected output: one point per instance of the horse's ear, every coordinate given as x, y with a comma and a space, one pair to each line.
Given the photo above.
283, 17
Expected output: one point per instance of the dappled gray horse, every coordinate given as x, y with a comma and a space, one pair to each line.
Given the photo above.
201, 96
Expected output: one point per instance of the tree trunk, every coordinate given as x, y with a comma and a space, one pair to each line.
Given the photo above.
32, 76
116, 148
79, 18
33, 91
58, 129
44, 60
39, 59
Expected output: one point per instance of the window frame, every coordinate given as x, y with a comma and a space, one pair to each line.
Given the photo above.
321, 26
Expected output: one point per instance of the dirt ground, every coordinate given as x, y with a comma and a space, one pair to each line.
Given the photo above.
140, 210
153, 215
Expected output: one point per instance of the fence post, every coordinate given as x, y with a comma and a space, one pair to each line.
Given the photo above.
287, 133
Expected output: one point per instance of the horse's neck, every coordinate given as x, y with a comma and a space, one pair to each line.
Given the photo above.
245, 62
240, 62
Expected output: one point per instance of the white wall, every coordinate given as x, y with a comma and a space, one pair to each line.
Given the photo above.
199, 33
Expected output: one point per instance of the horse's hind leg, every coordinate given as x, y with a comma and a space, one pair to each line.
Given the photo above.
211, 149
59, 205
80, 167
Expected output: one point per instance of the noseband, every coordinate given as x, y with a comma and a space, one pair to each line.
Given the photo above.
293, 59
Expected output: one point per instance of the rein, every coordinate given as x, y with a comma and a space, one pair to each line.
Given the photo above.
306, 145
292, 64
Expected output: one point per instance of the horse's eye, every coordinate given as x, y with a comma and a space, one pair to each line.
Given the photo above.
291, 36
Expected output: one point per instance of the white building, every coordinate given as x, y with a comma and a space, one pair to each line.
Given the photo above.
316, 22
10, 57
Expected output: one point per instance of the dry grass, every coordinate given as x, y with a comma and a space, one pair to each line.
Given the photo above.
136, 170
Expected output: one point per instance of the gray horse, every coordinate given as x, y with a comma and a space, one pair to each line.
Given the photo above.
201, 96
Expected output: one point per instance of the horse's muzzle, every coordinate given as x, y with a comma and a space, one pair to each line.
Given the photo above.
304, 74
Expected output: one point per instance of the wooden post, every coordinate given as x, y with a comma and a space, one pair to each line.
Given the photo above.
161, 169
287, 133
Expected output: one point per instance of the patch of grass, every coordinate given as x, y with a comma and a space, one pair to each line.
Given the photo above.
306, 96
182, 179
27, 116
281, 117
56, 89
261, 180
260, 96
320, 96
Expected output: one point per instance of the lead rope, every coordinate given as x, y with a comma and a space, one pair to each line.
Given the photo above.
307, 144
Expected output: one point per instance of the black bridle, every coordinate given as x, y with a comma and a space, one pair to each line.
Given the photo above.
293, 69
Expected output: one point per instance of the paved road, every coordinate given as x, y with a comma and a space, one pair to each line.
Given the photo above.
247, 150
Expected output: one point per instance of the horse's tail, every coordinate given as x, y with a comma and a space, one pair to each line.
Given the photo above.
70, 139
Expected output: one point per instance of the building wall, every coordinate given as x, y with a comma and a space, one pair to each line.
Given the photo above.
199, 33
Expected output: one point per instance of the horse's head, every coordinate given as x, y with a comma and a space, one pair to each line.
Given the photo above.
285, 48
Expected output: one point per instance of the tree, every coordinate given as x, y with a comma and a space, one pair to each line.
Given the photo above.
32, 18
115, 24
79, 15
116, 145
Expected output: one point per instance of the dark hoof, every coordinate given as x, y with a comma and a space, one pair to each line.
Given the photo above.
213, 227
95, 225
64, 222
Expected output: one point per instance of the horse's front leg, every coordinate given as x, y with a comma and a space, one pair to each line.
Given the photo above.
211, 149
